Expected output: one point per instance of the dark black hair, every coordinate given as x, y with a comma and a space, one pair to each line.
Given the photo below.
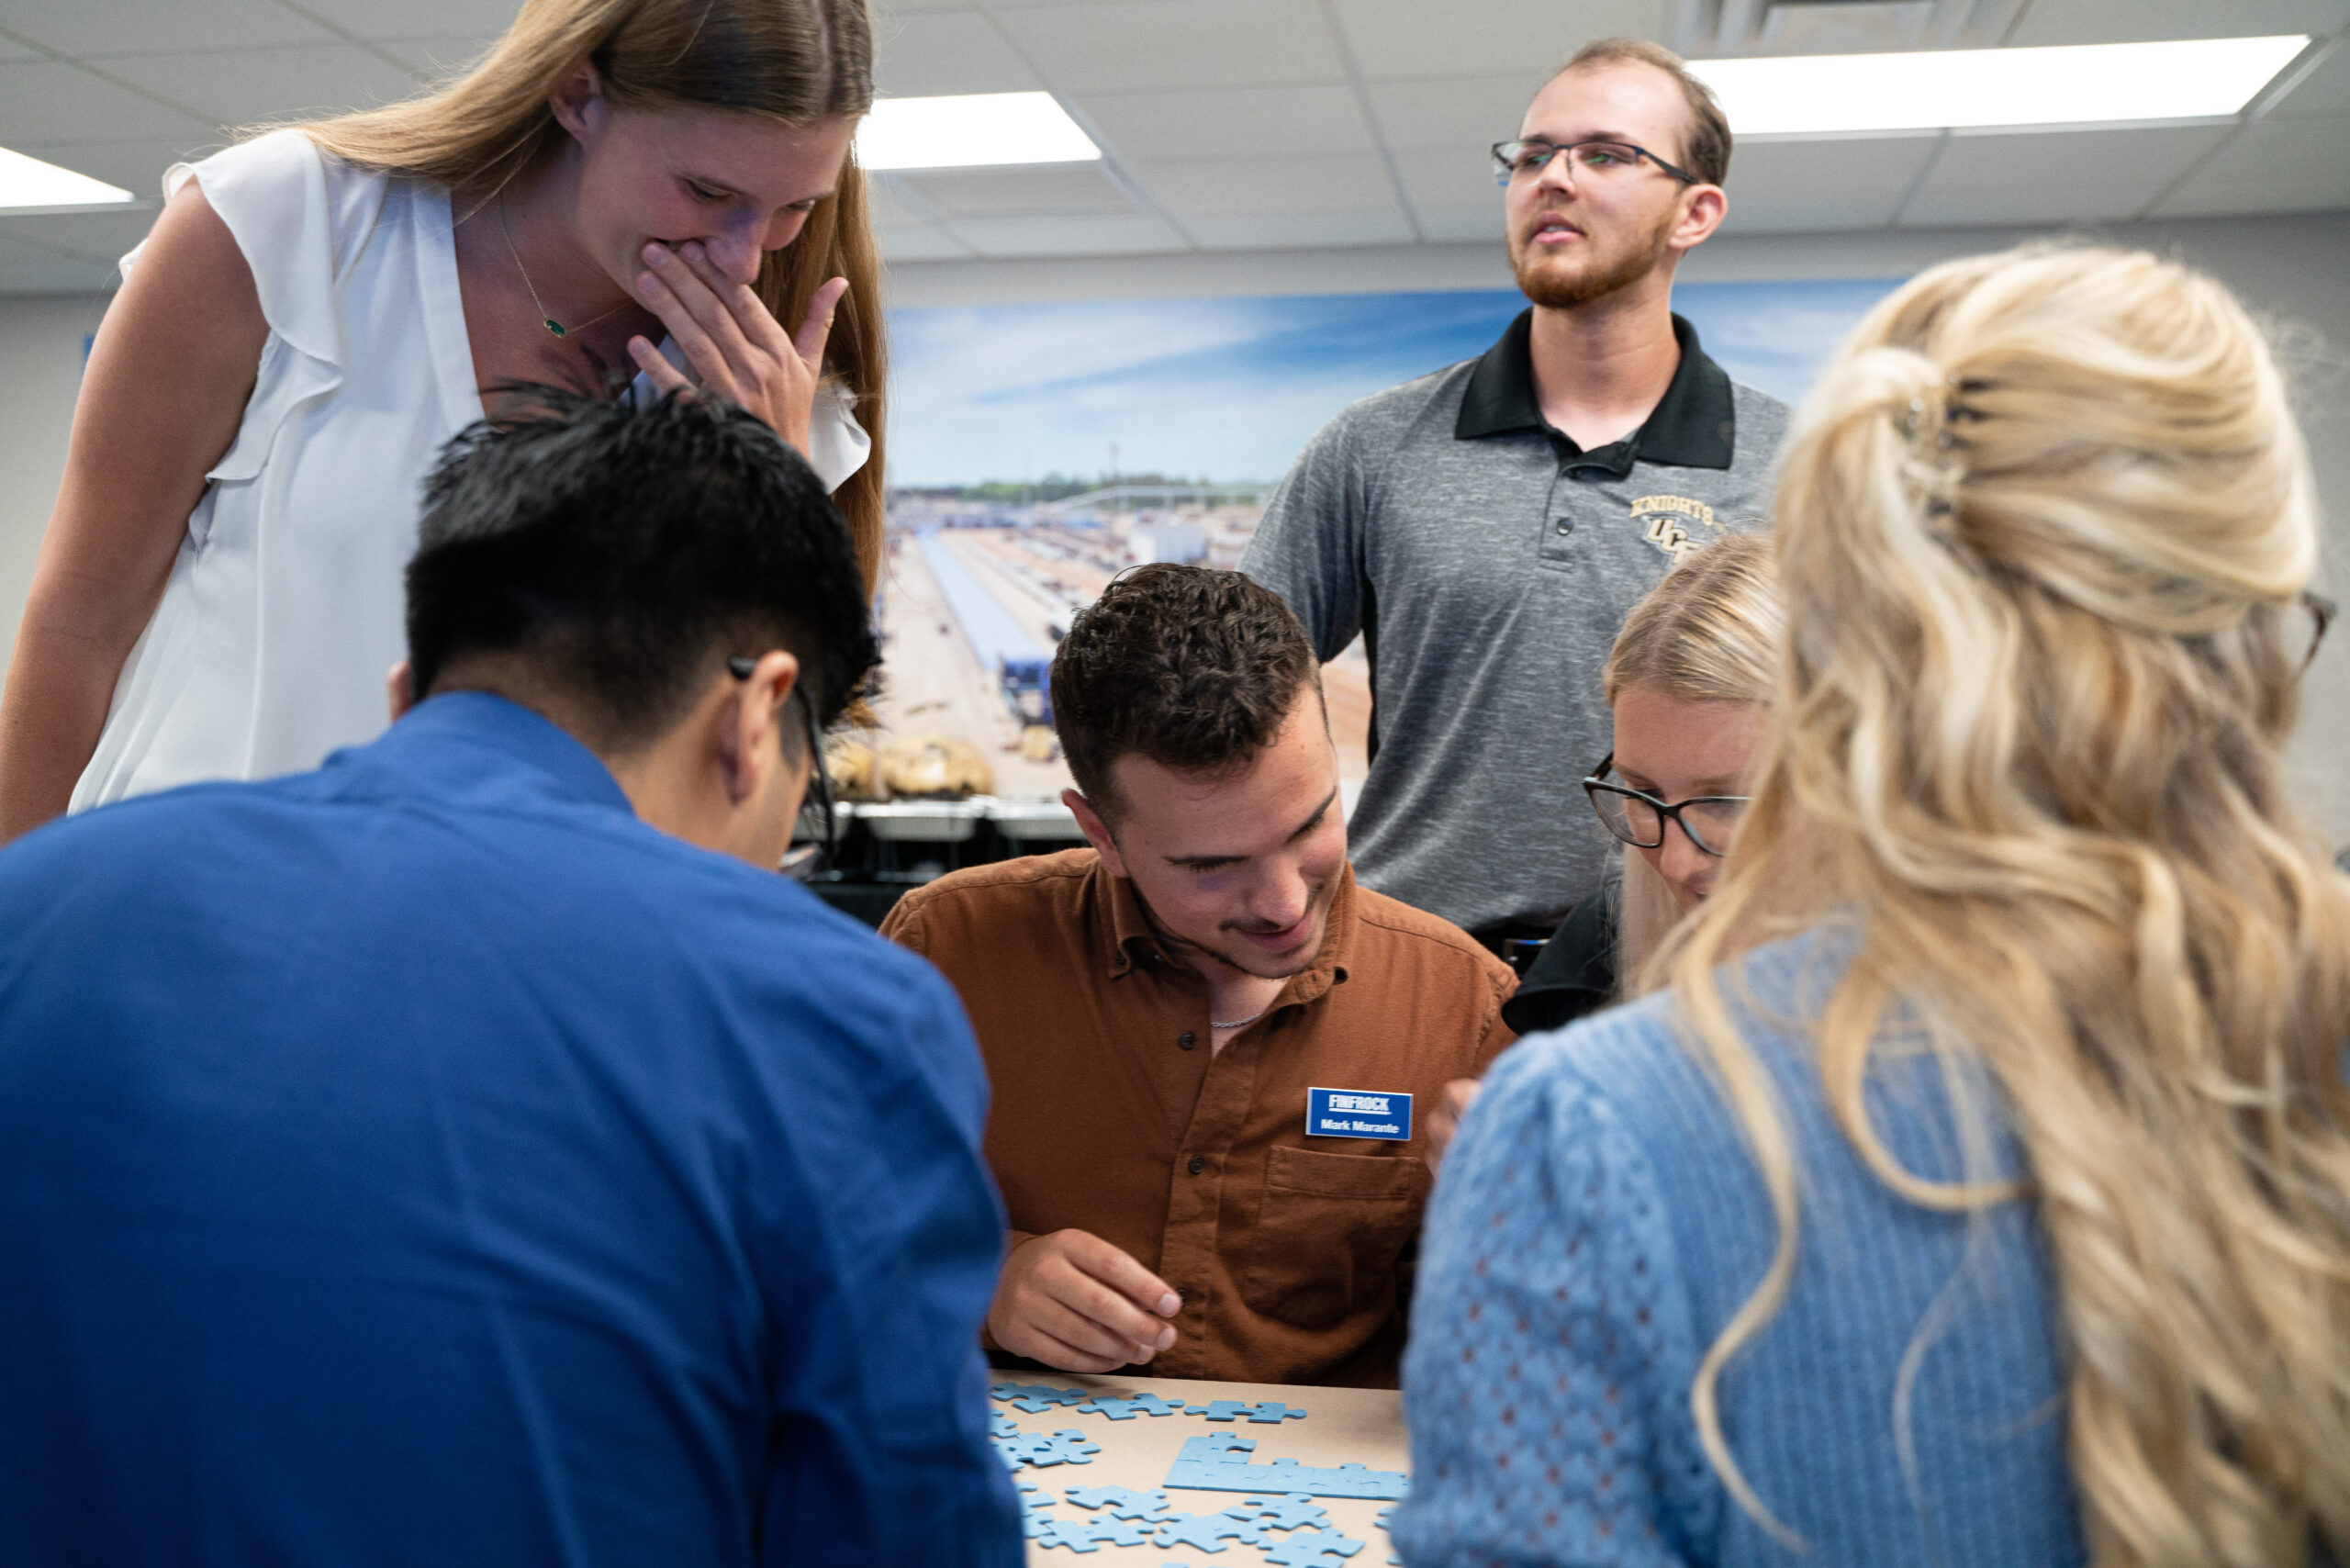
1193, 668
620, 551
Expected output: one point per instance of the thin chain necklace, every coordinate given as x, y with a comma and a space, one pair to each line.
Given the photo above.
549, 322
1240, 1023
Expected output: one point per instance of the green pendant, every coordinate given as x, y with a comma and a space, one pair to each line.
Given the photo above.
553, 325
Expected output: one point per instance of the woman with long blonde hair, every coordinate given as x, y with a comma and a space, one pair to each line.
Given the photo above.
1979, 1190
623, 196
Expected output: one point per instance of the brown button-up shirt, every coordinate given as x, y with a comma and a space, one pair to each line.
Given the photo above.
1112, 1113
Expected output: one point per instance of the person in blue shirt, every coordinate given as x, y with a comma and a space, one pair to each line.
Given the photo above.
472, 1151
1979, 1193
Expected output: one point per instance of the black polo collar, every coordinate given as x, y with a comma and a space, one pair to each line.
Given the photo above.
1693, 426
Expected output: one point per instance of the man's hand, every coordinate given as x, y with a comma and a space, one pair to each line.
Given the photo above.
1077, 1304
1445, 1120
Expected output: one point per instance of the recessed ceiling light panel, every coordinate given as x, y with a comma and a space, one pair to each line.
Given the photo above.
972, 130
1937, 89
28, 184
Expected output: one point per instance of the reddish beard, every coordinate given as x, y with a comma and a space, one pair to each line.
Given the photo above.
1567, 288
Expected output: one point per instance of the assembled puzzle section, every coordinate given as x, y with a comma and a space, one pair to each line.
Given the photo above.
1219, 1462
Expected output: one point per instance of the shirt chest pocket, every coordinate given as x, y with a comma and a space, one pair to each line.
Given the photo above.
1331, 1231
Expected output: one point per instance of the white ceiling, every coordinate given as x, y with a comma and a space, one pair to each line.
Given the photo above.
1226, 124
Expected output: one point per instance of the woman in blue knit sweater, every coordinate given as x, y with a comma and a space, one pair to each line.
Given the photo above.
1977, 1192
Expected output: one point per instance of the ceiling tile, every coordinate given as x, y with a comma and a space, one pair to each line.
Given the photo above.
1229, 187
1461, 113
1102, 236
2277, 165
946, 51
2324, 90
984, 193
1230, 122
1295, 230
922, 245
2135, 21
1779, 187
1422, 37
46, 102
1456, 180
888, 205
27, 268
440, 55
118, 27
2080, 176
380, 20
247, 85
92, 236
1146, 45
136, 167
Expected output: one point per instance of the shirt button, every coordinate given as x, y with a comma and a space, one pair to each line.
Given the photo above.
1566, 525
1197, 1164
1187, 1039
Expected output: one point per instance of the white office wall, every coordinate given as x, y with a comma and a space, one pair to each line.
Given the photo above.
2293, 269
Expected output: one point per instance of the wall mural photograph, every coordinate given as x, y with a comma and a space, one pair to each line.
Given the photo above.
1036, 450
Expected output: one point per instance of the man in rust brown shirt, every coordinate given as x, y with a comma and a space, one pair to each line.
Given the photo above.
1158, 1011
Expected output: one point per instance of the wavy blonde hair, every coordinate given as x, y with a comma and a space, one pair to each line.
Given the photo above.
795, 61
2040, 529
1708, 632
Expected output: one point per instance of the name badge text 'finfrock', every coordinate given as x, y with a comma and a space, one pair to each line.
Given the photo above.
1357, 1113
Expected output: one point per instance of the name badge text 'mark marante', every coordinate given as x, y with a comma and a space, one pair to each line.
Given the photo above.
1357, 1113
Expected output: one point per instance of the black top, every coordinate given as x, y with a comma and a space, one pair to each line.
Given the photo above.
1575, 973
1693, 426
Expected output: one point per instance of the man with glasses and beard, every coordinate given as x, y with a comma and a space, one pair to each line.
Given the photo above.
1487, 528
472, 1151
1213, 1055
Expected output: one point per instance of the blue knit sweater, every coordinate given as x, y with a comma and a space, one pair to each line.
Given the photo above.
1597, 1223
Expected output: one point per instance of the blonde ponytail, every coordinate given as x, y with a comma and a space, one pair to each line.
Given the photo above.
2039, 530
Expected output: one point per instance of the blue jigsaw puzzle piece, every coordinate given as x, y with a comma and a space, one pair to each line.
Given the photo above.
1122, 1502
1313, 1548
1293, 1512
1092, 1535
1219, 1462
1206, 1532
1272, 1412
1126, 1409
1034, 1501
1038, 1397
1002, 1425
1042, 1451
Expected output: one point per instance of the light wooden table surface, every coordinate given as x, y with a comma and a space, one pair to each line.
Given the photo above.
1358, 1426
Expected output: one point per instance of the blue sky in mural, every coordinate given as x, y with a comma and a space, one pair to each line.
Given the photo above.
1231, 388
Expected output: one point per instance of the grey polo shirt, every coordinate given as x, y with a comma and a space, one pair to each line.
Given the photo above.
1488, 561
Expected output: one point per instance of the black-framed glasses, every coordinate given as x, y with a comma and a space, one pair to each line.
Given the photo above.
1524, 160
1638, 818
823, 846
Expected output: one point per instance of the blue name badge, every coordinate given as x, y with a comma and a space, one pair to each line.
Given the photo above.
1357, 1113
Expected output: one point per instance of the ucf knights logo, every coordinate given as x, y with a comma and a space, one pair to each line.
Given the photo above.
1667, 522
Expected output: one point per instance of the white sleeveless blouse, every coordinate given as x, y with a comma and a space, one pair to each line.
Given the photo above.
284, 612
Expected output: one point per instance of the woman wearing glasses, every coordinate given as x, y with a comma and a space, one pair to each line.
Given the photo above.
645, 192
1979, 1191
1687, 682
